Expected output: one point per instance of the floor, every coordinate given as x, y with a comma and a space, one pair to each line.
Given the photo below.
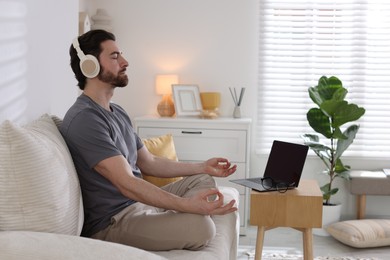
289, 241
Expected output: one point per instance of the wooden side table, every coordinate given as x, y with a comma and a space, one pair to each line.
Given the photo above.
300, 208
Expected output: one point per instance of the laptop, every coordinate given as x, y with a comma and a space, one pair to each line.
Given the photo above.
285, 164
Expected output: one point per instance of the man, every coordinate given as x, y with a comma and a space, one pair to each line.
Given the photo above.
109, 158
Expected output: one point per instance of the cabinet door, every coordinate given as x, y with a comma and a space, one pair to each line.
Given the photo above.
202, 144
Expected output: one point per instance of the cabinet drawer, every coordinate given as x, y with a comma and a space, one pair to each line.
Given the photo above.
202, 144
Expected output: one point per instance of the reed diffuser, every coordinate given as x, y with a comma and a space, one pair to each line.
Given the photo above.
237, 99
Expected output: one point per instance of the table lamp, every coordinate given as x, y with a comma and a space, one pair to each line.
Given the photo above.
164, 83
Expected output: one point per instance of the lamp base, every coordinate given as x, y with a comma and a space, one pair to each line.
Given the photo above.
166, 108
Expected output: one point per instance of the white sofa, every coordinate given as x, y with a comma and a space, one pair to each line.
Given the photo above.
41, 213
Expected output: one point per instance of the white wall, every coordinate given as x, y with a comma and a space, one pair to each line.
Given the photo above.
209, 43
51, 27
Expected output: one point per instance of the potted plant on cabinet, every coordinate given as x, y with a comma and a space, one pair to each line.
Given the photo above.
331, 113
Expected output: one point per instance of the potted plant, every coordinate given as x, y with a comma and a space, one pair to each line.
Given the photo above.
333, 111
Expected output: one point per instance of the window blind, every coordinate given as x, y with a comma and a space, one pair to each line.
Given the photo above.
13, 64
302, 40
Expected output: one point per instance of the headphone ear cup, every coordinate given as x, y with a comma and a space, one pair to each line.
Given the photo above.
89, 66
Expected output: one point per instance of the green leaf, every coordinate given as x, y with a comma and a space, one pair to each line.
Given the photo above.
340, 167
327, 193
344, 175
315, 96
325, 188
337, 134
347, 113
319, 122
327, 87
319, 148
331, 107
310, 138
343, 144
340, 94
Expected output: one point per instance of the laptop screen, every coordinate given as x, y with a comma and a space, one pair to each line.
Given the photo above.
285, 162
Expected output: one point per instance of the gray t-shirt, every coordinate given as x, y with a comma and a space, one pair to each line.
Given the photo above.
92, 135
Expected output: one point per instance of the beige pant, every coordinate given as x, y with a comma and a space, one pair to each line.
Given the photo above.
152, 228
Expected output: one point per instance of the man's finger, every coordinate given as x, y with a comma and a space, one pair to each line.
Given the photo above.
228, 208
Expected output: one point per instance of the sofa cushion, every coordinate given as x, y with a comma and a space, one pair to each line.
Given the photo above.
26, 245
162, 146
39, 187
362, 233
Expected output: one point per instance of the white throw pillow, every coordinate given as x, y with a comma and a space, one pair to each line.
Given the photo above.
39, 187
362, 233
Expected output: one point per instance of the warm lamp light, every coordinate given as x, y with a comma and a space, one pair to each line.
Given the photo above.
164, 87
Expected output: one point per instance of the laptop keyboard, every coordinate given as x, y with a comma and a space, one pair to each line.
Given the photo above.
257, 180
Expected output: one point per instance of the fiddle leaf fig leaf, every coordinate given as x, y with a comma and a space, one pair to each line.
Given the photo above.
315, 96
344, 175
319, 122
343, 144
310, 138
337, 134
340, 167
328, 86
340, 94
327, 192
332, 107
327, 89
347, 113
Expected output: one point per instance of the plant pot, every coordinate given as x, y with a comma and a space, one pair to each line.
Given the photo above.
330, 214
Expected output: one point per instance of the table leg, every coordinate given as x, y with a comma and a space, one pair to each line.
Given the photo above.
259, 242
361, 206
307, 244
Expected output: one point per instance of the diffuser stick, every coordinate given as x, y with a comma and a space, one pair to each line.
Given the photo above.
241, 96
234, 99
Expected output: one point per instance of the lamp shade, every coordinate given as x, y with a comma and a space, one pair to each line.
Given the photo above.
164, 83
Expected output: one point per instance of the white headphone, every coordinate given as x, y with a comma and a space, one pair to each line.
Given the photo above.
89, 64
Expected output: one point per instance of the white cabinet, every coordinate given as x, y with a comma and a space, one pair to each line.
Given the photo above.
200, 139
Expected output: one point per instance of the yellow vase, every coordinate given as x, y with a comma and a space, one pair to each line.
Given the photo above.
210, 100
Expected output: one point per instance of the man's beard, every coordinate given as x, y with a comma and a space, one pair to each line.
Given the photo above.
119, 80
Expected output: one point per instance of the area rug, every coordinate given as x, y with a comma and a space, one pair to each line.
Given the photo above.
249, 255
300, 257
275, 253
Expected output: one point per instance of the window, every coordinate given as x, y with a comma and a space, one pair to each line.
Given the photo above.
302, 40
13, 65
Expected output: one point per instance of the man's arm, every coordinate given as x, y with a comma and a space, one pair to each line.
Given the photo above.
162, 167
118, 171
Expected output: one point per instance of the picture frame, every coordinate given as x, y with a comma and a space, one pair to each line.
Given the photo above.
187, 100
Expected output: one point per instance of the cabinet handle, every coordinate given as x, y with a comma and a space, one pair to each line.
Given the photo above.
192, 132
